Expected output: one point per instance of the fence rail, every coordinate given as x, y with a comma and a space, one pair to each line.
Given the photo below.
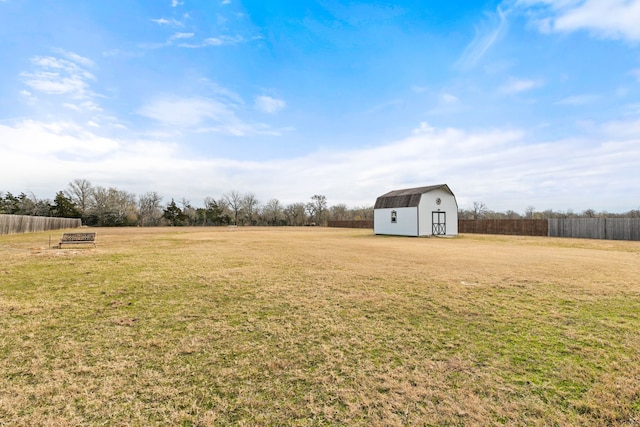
15, 224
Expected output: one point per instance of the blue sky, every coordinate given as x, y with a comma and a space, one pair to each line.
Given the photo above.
514, 103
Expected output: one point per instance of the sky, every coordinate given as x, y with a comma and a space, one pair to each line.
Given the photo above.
513, 103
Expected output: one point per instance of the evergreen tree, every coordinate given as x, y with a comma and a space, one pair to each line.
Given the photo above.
64, 207
173, 214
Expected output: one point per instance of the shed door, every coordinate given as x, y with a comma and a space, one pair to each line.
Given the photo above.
439, 223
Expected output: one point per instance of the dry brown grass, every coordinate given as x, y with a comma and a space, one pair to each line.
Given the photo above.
312, 326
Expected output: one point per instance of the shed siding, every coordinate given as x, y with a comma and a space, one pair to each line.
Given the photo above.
406, 225
447, 205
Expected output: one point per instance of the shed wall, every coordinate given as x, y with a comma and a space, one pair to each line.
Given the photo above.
406, 225
447, 205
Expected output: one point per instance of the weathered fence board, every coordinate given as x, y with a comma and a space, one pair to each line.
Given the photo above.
517, 227
363, 223
15, 224
596, 228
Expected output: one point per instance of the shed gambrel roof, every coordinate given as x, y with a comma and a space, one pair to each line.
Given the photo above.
407, 198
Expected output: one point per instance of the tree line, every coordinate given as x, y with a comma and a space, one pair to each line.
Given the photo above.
479, 210
109, 206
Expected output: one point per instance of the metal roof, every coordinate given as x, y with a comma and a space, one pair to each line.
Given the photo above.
406, 198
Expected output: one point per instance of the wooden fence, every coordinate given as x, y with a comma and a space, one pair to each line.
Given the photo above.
596, 228
516, 227
364, 223
14, 224
582, 228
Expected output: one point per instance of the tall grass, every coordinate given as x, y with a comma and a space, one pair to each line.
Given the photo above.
300, 326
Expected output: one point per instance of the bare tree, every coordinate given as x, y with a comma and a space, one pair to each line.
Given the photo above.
112, 207
364, 212
512, 214
39, 207
80, 193
529, 212
234, 202
317, 208
149, 209
339, 212
479, 210
272, 212
249, 205
125, 206
188, 211
295, 213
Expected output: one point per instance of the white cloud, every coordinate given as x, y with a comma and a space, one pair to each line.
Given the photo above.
115, 52
57, 76
446, 104
54, 83
61, 139
578, 100
187, 112
486, 36
624, 129
448, 98
210, 41
504, 168
57, 84
170, 22
77, 59
203, 115
631, 110
223, 93
636, 73
514, 86
267, 104
222, 40
393, 103
179, 36
423, 128
611, 19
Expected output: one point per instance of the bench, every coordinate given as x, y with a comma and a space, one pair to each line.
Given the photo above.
77, 238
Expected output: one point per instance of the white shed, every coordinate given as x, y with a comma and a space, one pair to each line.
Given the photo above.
421, 211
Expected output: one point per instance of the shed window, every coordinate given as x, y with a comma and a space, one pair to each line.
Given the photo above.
394, 217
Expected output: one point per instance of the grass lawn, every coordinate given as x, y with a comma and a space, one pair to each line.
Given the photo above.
317, 326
